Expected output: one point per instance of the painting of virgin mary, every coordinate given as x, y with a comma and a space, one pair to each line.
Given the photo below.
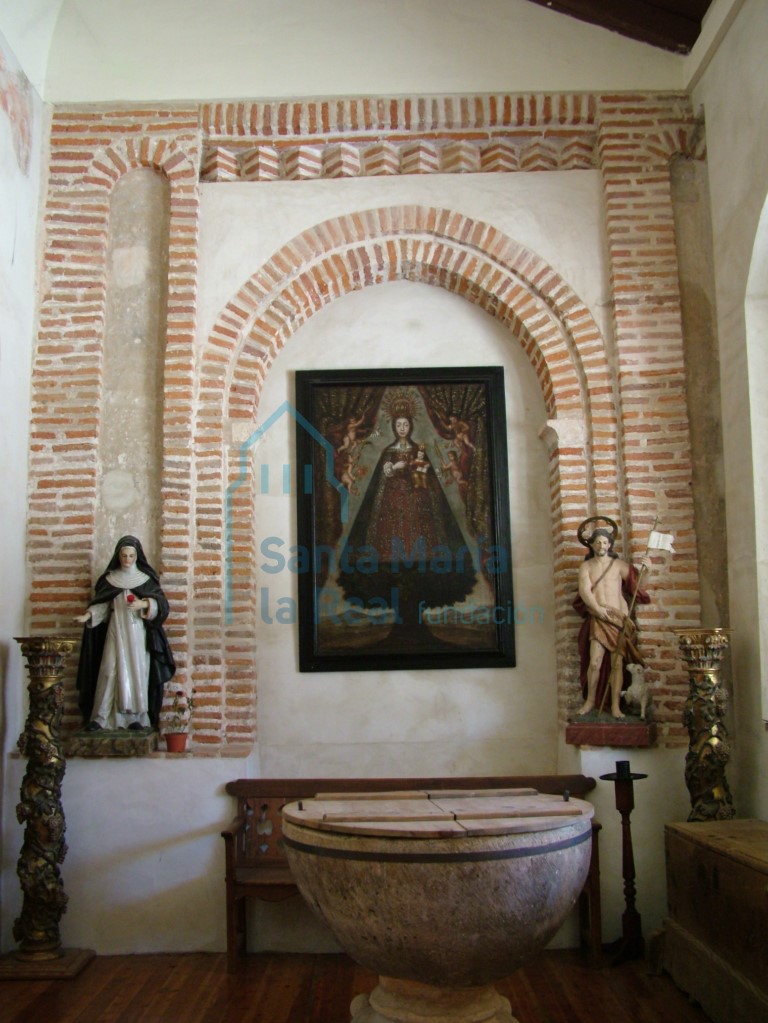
414, 560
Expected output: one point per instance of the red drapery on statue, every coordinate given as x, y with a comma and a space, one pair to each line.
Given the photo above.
629, 585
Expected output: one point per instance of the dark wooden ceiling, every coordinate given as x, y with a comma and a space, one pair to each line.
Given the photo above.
669, 24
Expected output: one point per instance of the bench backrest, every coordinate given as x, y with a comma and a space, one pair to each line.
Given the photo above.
260, 801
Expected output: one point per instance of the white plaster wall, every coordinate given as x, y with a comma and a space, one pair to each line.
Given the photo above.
145, 867
28, 28
340, 44
188, 49
734, 96
21, 145
556, 214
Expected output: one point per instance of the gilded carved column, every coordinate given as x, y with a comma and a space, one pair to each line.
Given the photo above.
708, 749
36, 929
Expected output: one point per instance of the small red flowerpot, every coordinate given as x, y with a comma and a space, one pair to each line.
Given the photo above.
176, 742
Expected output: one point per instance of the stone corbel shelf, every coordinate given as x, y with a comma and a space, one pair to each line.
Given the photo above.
111, 744
625, 734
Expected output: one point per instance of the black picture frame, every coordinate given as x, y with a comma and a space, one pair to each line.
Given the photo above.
404, 552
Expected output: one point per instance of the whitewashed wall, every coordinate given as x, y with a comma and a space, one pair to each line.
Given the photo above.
21, 144
734, 96
187, 49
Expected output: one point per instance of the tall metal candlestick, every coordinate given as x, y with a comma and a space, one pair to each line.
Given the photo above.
631, 945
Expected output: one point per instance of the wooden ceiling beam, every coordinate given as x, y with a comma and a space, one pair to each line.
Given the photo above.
672, 25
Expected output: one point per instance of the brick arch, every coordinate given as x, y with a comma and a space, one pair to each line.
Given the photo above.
109, 164
438, 247
686, 140
171, 160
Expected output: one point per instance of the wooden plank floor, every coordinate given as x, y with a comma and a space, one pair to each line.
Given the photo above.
557, 987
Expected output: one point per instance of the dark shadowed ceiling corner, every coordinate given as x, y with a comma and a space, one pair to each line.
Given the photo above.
668, 24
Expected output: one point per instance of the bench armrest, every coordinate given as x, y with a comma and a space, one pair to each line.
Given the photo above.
233, 828
231, 834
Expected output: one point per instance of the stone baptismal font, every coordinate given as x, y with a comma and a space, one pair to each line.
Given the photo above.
442, 893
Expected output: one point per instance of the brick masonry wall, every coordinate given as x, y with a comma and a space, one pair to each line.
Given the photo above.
617, 429
637, 138
90, 151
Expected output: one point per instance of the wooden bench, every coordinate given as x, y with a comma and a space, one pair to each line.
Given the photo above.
257, 868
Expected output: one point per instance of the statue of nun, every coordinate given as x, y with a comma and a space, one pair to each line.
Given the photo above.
125, 658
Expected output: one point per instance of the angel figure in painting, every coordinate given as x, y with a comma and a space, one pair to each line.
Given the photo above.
460, 452
125, 658
348, 471
459, 430
350, 431
453, 473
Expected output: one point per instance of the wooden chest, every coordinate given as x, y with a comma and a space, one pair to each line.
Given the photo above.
716, 935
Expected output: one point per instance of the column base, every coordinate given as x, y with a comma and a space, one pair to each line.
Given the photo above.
409, 1001
71, 961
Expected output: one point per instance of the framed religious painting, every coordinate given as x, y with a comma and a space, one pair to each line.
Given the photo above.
403, 555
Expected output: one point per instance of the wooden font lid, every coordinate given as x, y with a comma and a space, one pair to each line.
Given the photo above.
443, 814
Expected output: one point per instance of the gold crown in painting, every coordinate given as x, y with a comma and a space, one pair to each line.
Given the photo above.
400, 404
